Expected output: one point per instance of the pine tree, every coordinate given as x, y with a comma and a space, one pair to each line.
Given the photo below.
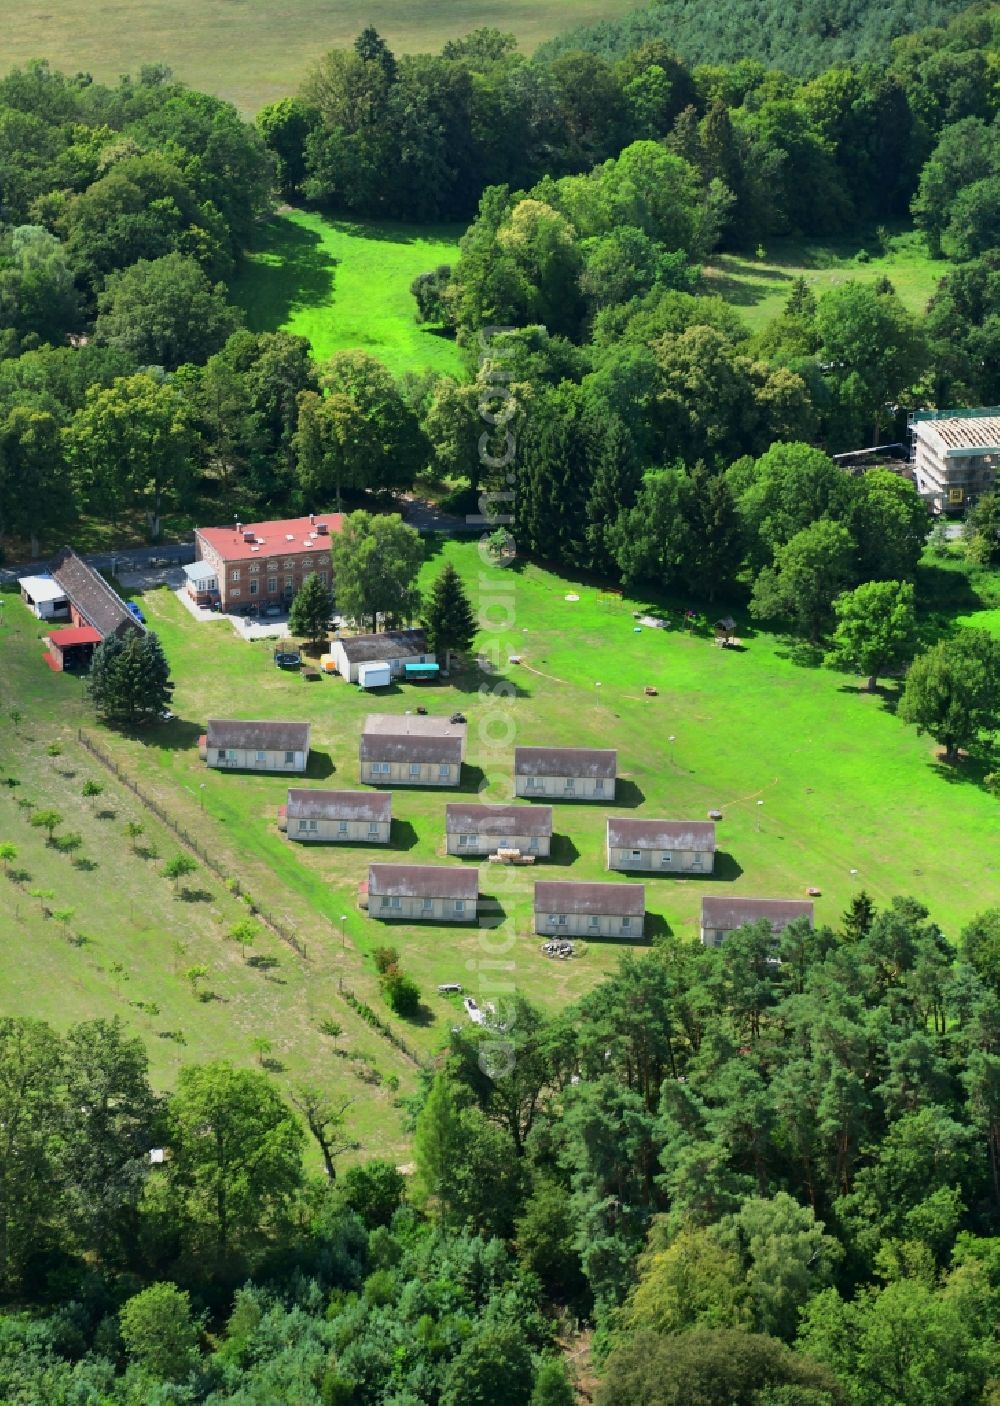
309, 617
617, 475
712, 543
130, 678
857, 920
450, 623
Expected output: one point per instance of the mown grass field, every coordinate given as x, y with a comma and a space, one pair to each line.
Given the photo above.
253, 51
760, 287
346, 284
845, 787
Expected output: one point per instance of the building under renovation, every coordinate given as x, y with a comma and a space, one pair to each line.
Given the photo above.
955, 455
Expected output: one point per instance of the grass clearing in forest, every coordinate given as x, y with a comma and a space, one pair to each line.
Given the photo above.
759, 288
346, 284
254, 51
845, 787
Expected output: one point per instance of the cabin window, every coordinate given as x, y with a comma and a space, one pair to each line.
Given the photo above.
289, 757
260, 756
637, 854
222, 754
380, 768
626, 922
342, 827
595, 921
570, 784
444, 770
414, 768
464, 840
696, 862
534, 783
427, 905
558, 920
303, 824
395, 903
533, 842
459, 905
373, 827
384, 902
599, 787
665, 860
312, 825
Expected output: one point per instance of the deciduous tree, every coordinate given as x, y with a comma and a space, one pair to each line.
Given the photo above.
876, 628
952, 690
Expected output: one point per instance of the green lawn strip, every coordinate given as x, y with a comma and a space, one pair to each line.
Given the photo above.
257, 51
760, 287
346, 284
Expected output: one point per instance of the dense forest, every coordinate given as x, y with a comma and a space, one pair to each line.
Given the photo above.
802, 38
765, 1173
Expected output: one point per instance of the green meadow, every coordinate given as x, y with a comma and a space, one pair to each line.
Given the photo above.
346, 284
253, 51
759, 287
819, 784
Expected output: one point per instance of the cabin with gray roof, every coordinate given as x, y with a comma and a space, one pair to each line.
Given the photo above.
92, 601
411, 749
722, 916
661, 846
397, 648
231, 744
483, 829
422, 893
329, 817
568, 909
565, 773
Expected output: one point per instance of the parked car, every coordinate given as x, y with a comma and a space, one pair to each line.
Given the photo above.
271, 611
167, 716
287, 659
133, 609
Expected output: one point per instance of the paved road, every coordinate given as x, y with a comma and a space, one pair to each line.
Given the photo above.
425, 517
134, 560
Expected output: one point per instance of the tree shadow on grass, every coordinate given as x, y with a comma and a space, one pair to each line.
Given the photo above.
291, 270
472, 680
888, 694
421, 1017
195, 895
174, 736
801, 652
969, 770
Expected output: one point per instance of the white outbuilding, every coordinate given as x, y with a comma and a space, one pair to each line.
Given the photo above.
44, 597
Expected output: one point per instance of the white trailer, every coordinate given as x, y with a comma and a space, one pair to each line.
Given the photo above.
377, 674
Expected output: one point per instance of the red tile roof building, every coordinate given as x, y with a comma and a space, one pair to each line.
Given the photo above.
261, 562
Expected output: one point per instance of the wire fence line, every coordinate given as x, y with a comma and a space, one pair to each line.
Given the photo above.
279, 928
